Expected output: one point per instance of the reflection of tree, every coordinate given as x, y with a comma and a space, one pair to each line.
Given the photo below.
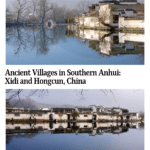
141, 125
28, 136
141, 114
34, 38
43, 42
8, 138
18, 38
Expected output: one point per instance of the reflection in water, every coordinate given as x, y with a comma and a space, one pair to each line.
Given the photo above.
34, 38
48, 135
113, 43
76, 46
72, 127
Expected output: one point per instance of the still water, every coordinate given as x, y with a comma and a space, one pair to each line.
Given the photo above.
60, 46
82, 136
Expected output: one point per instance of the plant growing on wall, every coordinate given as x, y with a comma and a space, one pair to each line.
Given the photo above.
75, 114
75, 128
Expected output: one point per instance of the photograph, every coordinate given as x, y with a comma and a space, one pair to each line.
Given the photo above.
85, 119
75, 32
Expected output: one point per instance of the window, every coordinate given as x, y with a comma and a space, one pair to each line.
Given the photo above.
39, 114
115, 40
95, 20
85, 115
115, 19
17, 128
17, 114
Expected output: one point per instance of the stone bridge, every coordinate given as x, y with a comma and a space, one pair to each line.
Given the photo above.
49, 24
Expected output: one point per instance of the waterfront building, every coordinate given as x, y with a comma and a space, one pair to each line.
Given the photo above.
118, 14
91, 113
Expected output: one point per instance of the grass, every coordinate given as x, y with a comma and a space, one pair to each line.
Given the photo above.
134, 31
117, 30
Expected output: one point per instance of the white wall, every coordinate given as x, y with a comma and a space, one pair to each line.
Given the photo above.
131, 37
131, 23
82, 117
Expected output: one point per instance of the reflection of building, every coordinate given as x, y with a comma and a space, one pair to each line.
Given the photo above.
92, 113
113, 44
59, 128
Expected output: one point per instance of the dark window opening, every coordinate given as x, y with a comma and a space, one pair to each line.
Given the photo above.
115, 40
51, 117
94, 117
51, 125
17, 114
125, 111
68, 117
127, 125
17, 128
115, 19
85, 115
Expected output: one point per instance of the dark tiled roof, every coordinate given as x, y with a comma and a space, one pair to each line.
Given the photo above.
62, 109
128, 0
107, 1
84, 109
103, 114
133, 114
137, 7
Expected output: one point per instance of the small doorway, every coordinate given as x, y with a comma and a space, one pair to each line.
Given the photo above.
68, 117
127, 125
51, 125
115, 40
68, 124
94, 117
121, 118
51, 117
94, 125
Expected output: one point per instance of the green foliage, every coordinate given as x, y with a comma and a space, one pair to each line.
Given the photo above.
75, 128
141, 114
75, 114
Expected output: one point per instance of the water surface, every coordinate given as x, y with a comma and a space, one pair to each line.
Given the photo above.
85, 136
60, 46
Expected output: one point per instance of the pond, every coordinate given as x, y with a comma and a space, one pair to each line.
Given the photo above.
59, 46
104, 136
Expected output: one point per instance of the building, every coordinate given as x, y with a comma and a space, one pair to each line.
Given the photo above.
118, 14
91, 113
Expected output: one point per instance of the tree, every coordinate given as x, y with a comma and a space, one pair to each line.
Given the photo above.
34, 6
32, 9
83, 6
7, 103
19, 6
43, 8
105, 16
9, 17
141, 114
75, 114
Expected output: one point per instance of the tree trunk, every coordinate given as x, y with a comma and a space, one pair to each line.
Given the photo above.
108, 25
